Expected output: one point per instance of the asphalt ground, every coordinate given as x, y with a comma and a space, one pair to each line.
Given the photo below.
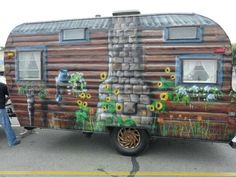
45, 152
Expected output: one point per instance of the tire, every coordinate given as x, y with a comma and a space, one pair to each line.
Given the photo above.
29, 128
129, 141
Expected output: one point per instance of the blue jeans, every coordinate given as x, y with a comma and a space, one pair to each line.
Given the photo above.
6, 124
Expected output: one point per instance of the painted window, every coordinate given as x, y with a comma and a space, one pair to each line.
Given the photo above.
183, 34
68, 35
199, 69
30, 64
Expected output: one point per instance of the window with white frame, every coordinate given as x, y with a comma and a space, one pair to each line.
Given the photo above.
29, 65
183, 34
199, 71
74, 34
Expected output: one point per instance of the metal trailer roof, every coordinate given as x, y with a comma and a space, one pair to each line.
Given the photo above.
146, 21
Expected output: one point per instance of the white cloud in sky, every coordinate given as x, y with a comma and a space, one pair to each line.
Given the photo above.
15, 12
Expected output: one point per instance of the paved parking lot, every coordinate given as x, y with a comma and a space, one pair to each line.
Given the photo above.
68, 153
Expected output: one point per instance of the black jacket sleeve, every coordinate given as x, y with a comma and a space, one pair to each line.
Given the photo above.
6, 91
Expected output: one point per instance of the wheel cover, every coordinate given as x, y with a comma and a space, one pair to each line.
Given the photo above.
129, 137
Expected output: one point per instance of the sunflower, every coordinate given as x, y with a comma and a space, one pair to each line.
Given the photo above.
119, 107
108, 99
116, 92
172, 77
106, 87
164, 96
85, 104
79, 102
151, 108
103, 76
88, 96
167, 70
82, 95
104, 109
159, 84
159, 106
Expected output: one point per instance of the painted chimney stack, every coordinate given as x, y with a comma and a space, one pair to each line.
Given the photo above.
126, 68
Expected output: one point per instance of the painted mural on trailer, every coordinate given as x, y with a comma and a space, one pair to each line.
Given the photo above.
171, 90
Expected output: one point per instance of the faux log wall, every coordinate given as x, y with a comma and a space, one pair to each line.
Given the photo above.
159, 55
91, 58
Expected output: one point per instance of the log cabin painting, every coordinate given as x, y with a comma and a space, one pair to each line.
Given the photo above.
133, 75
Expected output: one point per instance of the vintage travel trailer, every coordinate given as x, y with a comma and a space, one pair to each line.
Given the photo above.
131, 75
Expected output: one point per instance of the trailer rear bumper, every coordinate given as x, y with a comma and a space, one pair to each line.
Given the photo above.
233, 142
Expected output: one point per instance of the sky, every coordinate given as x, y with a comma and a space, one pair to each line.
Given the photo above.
15, 12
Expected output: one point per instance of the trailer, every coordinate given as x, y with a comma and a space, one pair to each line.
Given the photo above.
131, 75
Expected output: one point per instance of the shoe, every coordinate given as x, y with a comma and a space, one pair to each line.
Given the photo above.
17, 142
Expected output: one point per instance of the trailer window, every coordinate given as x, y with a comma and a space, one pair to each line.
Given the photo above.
199, 71
29, 65
73, 35
183, 34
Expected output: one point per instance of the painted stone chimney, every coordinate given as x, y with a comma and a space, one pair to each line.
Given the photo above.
125, 73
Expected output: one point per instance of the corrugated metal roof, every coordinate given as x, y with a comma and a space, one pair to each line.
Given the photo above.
56, 26
146, 21
164, 20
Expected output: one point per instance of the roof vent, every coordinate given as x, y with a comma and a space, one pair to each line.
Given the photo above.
98, 16
126, 12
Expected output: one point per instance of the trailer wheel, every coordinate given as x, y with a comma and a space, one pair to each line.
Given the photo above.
129, 141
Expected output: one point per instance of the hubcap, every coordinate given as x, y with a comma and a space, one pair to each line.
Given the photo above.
129, 138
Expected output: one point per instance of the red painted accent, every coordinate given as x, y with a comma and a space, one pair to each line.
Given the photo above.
219, 50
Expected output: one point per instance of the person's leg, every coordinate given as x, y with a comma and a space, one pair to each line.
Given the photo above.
11, 137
